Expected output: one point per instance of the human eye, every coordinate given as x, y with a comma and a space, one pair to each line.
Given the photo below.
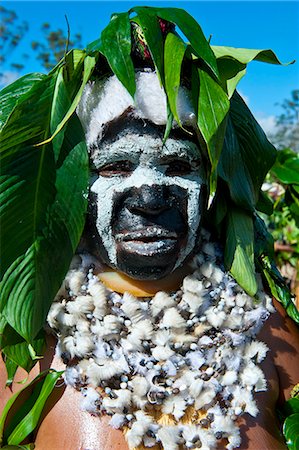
116, 168
177, 167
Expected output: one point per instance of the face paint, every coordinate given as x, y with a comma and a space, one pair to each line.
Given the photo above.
147, 185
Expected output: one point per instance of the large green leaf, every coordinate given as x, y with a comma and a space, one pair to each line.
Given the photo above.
46, 232
213, 106
16, 423
233, 170
174, 53
193, 33
239, 251
290, 431
115, 45
10, 95
245, 55
246, 157
232, 63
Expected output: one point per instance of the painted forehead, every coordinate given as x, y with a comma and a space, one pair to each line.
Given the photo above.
140, 145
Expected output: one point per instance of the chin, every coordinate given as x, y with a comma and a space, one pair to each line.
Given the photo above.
151, 261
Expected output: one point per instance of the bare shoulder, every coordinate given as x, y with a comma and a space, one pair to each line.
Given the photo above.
281, 335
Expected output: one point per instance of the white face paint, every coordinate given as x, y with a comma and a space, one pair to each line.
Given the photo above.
149, 160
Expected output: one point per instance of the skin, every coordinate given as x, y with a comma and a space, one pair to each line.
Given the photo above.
142, 208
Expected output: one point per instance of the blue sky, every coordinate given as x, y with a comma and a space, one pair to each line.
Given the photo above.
254, 24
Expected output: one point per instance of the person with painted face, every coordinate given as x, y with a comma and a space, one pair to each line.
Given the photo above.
166, 348
160, 345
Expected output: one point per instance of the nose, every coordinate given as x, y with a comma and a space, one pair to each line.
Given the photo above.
150, 200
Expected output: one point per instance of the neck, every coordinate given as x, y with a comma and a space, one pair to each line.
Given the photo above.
121, 283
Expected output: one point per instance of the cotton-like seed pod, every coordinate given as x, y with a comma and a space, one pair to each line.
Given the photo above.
201, 328
193, 300
99, 294
234, 440
123, 400
160, 302
175, 405
207, 269
192, 284
161, 353
78, 345
142, 330
229, 378
217, 276
172, 319
105, 370
215, 318
90, 401
196, 359
132, 307
140, 388
135, 435
117, 420
256, 349
252, 375
205, 398
169, 437
74, 280
82, 326
162, 337
54, 315
196, 388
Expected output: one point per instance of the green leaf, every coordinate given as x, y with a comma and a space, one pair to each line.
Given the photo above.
148, 21
239, 252
231, 72
233, 170
47, 231
16, 349
246, 55
213, 106
89, 63
10, 95
288, 172
193, 33
16, 423
11, 368
174, 53
115, 45
264, 204
263, 240
246, 157
278, 287
232, 63
169, 124
290, 431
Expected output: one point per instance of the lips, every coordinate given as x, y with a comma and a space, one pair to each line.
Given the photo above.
149, 234
148, 241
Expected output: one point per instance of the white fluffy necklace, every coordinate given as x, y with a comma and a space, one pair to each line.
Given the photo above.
177, 369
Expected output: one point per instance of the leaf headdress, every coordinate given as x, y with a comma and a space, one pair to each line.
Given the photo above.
44, 162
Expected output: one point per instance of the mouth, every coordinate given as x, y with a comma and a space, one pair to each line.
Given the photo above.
148, 241
146, 235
